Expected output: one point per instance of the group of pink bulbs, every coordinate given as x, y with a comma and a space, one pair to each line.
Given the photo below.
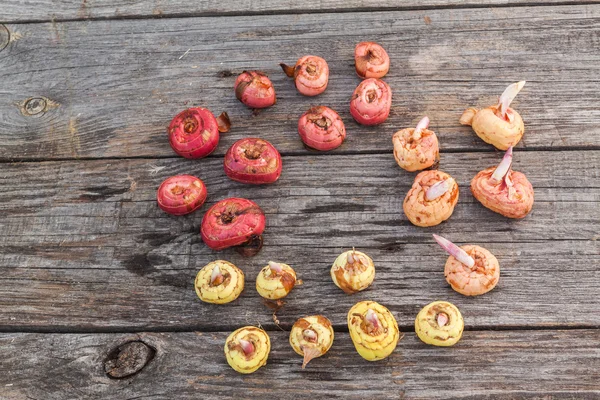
194, 133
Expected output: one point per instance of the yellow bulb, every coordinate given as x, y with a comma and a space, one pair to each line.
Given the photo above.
219, 282
311, 337
247, 349
275, 280
373, 330
439, 324
353, 271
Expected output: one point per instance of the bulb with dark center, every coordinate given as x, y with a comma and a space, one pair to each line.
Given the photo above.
181, 194
254, 89
371, 60
321, 128
254, 161
311, 75
194, 133
371, 102
234, 222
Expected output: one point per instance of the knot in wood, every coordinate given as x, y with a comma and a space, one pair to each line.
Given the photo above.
34, 106
4, 37
128, 359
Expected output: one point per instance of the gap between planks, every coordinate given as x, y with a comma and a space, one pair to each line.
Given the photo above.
305, 11
270, 328
297, 154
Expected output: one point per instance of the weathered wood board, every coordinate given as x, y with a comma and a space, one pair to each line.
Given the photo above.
87, 259
500, 365
91, 249
44, 10
111, 87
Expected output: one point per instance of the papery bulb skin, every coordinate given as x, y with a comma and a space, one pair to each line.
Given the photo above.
181, 194
233, 222
247, 349
255, 89
422, 211
371, 60
371, 101
311, 337
503, 190
439, 324
498, 125
194, 133
311, 75
219, 282
253, 161
373, 330
321, 128
415, 150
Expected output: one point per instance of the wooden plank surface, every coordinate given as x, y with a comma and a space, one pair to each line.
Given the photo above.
45, 10
91, 250
111, 87
499, 365
86, 256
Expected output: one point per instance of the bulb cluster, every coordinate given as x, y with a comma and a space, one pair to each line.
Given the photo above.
238, 222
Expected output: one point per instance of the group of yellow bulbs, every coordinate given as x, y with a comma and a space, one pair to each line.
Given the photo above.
373, 329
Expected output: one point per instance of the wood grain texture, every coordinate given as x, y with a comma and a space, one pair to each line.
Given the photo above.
502, 365
46, 10
111, 87
84, 246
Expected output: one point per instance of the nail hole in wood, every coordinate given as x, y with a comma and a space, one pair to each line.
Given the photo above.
128, 359
4, 37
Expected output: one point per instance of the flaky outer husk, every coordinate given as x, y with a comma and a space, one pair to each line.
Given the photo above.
422, 212
373, 347
495, 130
512, 203
226, 292
323, 329
428, 330
274, 286
352, 278
415, 155
480, 279
235, 356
